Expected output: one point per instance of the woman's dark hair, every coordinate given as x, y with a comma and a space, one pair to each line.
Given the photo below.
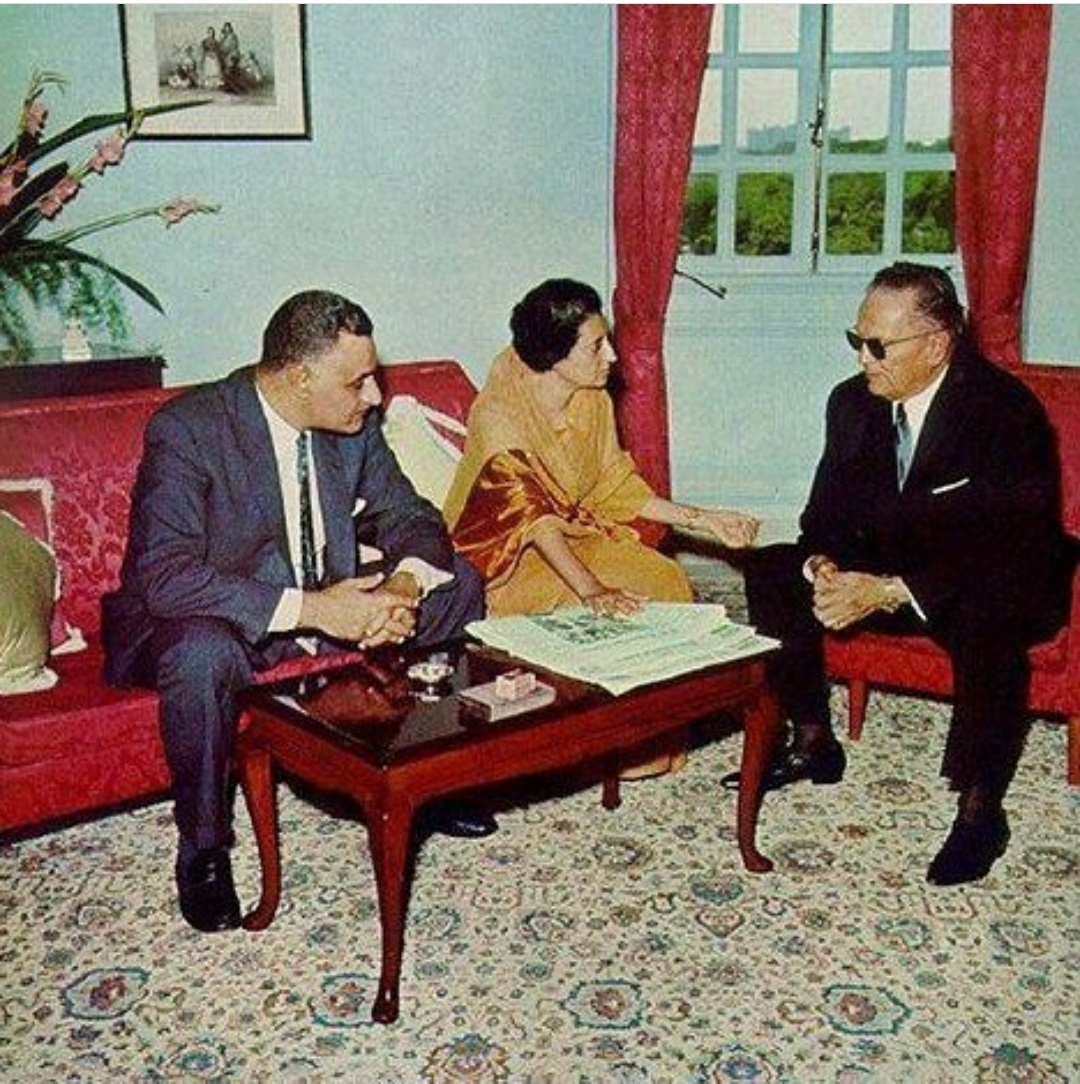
545, 322
308, 324
934, 291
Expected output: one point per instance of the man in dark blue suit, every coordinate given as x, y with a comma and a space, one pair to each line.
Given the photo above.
242, 552
935, 510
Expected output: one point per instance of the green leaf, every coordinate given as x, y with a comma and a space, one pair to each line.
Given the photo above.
98, 121
50, 252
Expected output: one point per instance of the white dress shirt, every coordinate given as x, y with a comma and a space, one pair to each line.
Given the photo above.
286, 616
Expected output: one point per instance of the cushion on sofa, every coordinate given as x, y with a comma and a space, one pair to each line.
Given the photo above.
30, 501
27, 586
423, 442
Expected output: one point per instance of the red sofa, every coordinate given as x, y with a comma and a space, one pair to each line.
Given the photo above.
82, 747
916, 664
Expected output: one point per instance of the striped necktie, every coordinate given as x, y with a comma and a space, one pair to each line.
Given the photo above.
904, 445
308, 565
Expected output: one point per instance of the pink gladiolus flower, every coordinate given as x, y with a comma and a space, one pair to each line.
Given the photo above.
178, 209
11, 177
109, 152
51, 204
37, 112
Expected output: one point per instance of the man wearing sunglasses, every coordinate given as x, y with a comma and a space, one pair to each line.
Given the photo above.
935, 510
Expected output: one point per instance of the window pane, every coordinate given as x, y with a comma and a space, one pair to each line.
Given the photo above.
929, 26
928, 212
768, 102
859, 111
763, 214
861, 28
855, 214
716, 30
768, 28
698, 232
707, 127
927, 118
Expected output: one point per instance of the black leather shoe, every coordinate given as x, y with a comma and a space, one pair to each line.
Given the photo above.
823, 765
969, 850
457, 819
208, 898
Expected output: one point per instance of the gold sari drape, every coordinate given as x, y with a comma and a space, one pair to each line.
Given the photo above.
520, 476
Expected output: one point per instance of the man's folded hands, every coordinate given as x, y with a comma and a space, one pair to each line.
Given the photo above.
367, 610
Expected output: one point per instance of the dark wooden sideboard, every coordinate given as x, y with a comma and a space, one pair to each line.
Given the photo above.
44, 375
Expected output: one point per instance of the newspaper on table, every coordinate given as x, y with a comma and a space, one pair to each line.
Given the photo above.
618, 653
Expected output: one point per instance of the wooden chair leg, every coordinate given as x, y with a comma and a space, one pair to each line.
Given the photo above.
858, 695
1072, 754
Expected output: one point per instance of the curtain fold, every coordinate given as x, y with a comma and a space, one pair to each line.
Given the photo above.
662, 51
1000, 59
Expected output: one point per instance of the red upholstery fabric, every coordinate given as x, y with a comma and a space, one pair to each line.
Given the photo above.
89, 448
82, 746
916, 664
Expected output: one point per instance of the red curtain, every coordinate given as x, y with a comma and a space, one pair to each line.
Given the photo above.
662, 51
1000, 58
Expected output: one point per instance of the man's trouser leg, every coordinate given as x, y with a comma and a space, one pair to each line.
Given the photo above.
780, 601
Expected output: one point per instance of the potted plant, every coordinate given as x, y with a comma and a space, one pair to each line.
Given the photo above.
39, 272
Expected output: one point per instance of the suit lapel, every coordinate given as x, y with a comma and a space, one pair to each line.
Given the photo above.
880, 456
257, 459
940, 424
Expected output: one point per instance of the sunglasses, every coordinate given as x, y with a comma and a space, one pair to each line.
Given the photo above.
879, 347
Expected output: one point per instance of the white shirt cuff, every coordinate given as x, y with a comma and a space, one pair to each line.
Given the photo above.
427, 577
914, 601
286, 615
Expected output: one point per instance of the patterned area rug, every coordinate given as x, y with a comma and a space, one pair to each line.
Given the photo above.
577, 946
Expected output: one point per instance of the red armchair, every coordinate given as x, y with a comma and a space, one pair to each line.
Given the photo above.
916, 664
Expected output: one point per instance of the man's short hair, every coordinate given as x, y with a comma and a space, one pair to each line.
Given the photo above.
934, 292
545, 322
308, 325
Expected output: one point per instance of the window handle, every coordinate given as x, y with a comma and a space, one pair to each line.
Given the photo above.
817, 127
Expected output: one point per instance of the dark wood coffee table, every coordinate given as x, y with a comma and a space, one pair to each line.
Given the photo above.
360, 731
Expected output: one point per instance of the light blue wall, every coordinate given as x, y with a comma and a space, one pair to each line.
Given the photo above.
460, 154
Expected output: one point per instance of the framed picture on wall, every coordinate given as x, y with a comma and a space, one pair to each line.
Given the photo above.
246, 62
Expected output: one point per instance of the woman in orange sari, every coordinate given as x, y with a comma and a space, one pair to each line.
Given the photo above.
544, 498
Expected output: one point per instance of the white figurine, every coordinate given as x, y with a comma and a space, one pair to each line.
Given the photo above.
75, 346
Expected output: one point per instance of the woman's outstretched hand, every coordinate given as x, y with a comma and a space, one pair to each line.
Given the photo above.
735, 529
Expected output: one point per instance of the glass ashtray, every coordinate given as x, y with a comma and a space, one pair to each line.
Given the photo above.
428, 676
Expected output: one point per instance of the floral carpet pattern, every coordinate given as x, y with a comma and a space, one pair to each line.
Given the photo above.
576, 946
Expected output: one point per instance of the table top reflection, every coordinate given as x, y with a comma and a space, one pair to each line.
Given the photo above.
375, 710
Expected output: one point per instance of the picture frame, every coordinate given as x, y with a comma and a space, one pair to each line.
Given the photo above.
247, 64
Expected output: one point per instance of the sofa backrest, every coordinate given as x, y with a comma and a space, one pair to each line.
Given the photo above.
439, 383
1058, 388
89, 448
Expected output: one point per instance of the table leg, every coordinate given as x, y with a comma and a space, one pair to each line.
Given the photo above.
760, 733
390, 833
610, 797
256, 781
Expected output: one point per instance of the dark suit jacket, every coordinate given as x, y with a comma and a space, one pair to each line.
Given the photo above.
207, 536
979, 515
